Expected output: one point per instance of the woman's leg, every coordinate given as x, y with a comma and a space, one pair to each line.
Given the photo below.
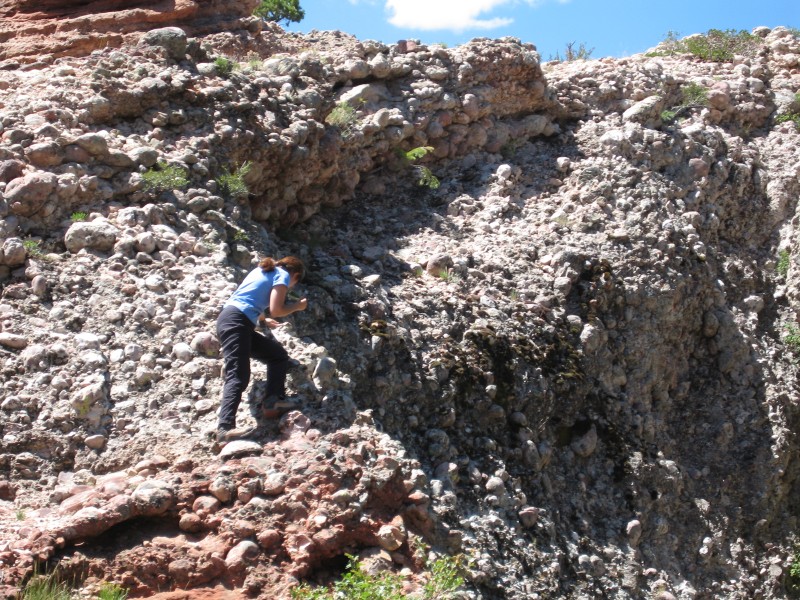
234, 331
270, 351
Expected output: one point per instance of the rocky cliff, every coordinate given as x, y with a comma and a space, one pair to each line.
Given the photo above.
573, 362
34, 32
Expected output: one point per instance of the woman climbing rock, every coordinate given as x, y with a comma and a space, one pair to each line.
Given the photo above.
265, 287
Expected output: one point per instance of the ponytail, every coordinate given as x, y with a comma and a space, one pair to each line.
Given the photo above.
291, 264
267, 264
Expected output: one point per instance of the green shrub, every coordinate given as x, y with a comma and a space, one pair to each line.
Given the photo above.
78, 216
446, 577
255, 63
112, 591
20, 514
164, 177
793, 581
233, 183
668, 116
344, 118
784, 260
572, 53
426, 176
511, 147
45, 587
280, 10
715, 45
224, 65
693, 95
33, 247
355, 585
789, 118
792, 339
241, 236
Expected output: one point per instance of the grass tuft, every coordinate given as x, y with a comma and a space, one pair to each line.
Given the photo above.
164, 177
233, 183
45, 587
344, 118
224, 65
112, 591
716, 45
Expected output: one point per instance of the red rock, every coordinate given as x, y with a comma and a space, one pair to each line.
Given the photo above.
240, 555
191, 523
206, 505
32, 28
181, 571
269, 538
7, 491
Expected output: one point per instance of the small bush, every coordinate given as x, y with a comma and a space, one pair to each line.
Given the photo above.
164, 177
715, 45
45, 587
224, 65
33, 247
693, 95
255, 63
241, 236
793, 581
446, 576
667, 116
792, 340
280, 10
20, 514
450, 276
355, 585
78, 216
112, 591
789, 118
233, 184
426, 176
784, 260
511, 147
344, 118
572, 53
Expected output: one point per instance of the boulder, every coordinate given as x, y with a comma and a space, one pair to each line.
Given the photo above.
26, 195
94, 235
172, 39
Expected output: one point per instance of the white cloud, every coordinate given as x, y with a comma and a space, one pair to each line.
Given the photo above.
454, 15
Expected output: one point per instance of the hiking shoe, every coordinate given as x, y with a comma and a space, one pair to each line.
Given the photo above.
276, 406
239, 433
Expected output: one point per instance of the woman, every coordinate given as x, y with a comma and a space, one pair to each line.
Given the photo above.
266, 286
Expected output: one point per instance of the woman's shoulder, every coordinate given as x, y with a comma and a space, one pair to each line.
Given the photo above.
281, 276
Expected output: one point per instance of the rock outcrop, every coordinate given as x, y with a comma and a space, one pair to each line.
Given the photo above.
41, 31
573, 361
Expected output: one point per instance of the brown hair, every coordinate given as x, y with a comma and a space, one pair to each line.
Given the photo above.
291, 264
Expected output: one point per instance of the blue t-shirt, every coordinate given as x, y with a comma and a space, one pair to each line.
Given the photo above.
252, 295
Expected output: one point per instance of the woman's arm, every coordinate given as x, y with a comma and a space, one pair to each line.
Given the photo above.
277, 302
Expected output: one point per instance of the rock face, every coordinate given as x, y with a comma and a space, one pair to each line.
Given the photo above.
584, 337
34, 30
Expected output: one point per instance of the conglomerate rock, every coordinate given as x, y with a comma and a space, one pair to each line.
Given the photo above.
573, 362
33, 31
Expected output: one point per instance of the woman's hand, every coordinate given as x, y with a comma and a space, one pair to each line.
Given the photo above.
277, 302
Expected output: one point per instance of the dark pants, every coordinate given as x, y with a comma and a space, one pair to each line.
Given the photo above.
240, 341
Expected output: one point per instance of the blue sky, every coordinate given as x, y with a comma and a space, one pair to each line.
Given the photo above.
612, 27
